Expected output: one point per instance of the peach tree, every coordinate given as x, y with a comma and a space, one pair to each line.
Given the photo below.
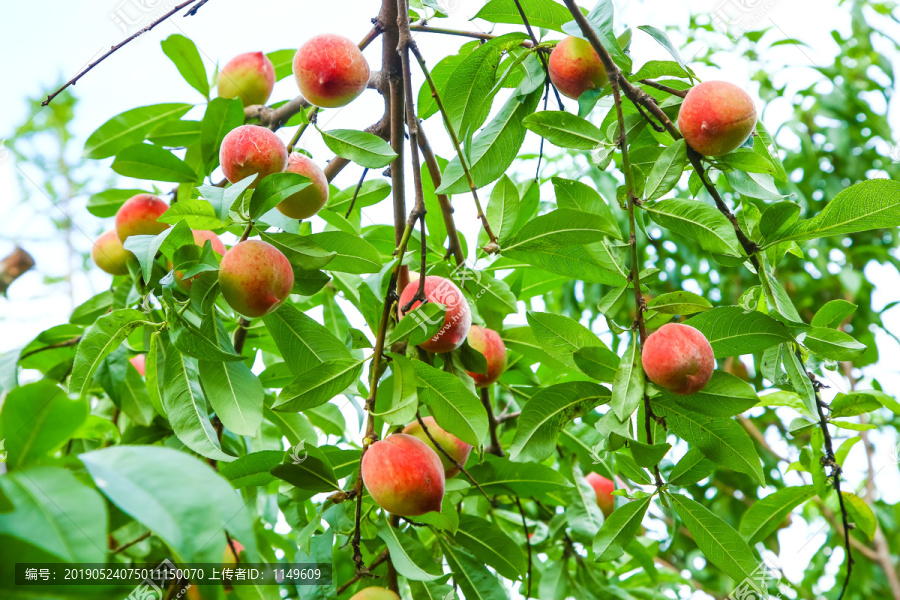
622, 386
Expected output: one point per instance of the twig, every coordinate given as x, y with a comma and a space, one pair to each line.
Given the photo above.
527, 545
495, 447
310, 118
540, 55
478, 35
109, 52
72, 342
443, 200
356, 192
375, 563
458, 464
136, 540
195, 8
664, 88
240, 335
456, 145
13, 266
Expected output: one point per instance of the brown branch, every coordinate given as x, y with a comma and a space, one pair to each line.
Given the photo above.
443, 200
72, 342
540, 54
664, 88
495, 447
882, 552
240, 335
13, 266
136, 540
109, 52
375, 563
362, 178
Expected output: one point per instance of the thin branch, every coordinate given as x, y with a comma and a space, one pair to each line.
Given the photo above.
495, 447
136, 540
664, 88
109, 52
240, 335
356, 192
458, 464
72, 342
456, 146
310, 118
375, 563
195, 8
528, 546
540, 54
13, 266
443, 200
478, 35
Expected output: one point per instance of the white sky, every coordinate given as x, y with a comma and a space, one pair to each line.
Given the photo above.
46, 42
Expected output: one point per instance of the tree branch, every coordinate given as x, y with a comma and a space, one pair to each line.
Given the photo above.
13, 266
434, 170
458, 464
495, 447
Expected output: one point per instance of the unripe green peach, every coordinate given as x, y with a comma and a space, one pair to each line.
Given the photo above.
255, 278
678, 358
138, 216
488, 342
330, 70
139, 362
603, 487
375, 593
404, 476
109, 254
457, 448
250, 149
249, 76
716, 117
575, 68
457, 319
200, 238
310, 199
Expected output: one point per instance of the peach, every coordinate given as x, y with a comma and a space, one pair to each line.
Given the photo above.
716, 117
139, 362
138, 216
255, 278
110, 255
375, 593
200, 238
457, 448
457, 319
603, 487
330, 70
249, 76
404, 476
678, 358
310, 199
488, 342
575, 68
250, 149
230, 558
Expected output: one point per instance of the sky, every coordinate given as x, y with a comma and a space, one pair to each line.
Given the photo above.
44, 43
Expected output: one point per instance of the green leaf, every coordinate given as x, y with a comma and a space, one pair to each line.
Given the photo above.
54, 511
300, 250
545, 14
130, 127
832, 344
579, 196
778, 217
561, 336
597, 362
861, 514
252, 469
275, 188
310, 471
186, 408
106, 203
873, 204
718, 541
404, 400
197, 343
490, 154
679, 303
421, 323
235, 394
721, 440
733, 332
654, 69
36, 419
796, 372
620, 529
148, 484
183, 52
221, 116
196, 213
352, 254
561, 227
303, 342
574, 262
175, 134
370, 193
455, 408
833, 313
664, 41
628, 384
855, 404
145, 161
502, 476
697, 221
281, 60
105, 335
318, 385
692, 467
395, 540
547, 412
566, 130
765, 516
489, 544
470, 574
365, 149
503, 208
725, 395
666, 171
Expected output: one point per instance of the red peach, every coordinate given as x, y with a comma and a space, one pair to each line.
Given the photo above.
404, 476
457, 448
255, 278
138, 216
200, 238
310, 199
678, 358
249, 76
139, 362
457, 319
575, 68
716, 117
375, 593
250, 149
488, 342
110, 255
330, 70
603, 487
